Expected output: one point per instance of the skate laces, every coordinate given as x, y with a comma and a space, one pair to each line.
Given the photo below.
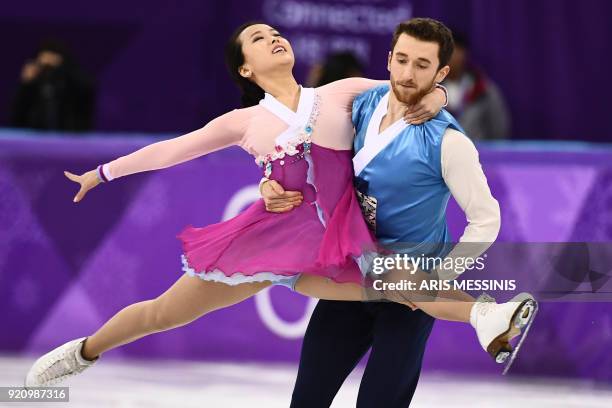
59, 368
64, 366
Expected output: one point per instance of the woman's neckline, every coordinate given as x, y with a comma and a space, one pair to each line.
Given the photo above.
297, 101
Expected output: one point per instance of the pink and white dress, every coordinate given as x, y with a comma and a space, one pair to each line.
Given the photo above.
309, 150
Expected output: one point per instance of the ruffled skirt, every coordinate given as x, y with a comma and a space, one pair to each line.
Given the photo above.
323, 236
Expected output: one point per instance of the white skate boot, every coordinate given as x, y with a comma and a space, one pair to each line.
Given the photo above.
59, 364
497, 324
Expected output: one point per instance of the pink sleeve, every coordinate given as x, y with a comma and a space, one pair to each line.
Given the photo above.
224, 131
345, 90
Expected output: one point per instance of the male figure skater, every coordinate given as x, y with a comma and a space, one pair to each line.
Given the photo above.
404, 177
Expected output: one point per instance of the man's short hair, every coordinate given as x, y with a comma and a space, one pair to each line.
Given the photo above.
428, 29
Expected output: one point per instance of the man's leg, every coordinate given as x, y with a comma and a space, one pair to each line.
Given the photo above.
338, 335
394, 366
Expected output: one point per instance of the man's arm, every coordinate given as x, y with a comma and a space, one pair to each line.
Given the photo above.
276, 198
467, 183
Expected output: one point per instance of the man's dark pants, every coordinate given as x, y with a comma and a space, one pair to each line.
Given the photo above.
340, 333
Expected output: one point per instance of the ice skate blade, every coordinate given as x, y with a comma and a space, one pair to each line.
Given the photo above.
500, 348
524, 321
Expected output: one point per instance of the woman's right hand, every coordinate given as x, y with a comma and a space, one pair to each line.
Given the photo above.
87, 181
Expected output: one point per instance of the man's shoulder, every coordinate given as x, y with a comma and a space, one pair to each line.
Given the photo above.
444, 120
454, 137
445, 115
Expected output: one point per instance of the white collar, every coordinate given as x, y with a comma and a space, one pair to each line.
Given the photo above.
375, 142
372, 131
287, 115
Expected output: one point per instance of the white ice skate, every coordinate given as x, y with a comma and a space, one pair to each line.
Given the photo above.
57, 365
497, 324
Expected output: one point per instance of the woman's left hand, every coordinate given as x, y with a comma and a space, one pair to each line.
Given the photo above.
87, 181
426, 108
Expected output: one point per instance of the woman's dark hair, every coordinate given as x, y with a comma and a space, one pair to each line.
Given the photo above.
234, 59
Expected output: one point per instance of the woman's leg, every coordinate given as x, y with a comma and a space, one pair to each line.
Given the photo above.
453, 305
427, 292
324, 288
495, 324
453, 310
185, 301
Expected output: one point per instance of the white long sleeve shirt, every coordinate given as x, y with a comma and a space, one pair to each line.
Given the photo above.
467, 183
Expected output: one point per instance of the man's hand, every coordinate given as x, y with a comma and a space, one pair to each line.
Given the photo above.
426, 108
278, 200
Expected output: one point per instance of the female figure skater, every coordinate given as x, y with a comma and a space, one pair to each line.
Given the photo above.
302, 138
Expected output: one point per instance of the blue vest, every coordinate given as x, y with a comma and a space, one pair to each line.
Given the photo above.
404, 181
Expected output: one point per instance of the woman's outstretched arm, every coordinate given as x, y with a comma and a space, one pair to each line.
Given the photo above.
224, 131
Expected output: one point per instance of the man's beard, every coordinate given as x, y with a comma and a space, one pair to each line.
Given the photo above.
415, 96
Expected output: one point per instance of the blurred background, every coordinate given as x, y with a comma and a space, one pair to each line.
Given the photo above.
82, 83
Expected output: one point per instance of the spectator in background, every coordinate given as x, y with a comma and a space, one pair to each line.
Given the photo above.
336, 66
54, 93
473, 98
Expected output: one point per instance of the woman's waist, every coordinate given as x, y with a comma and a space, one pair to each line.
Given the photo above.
311, 176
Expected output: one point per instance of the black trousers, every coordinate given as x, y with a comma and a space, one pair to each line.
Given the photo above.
340, 333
